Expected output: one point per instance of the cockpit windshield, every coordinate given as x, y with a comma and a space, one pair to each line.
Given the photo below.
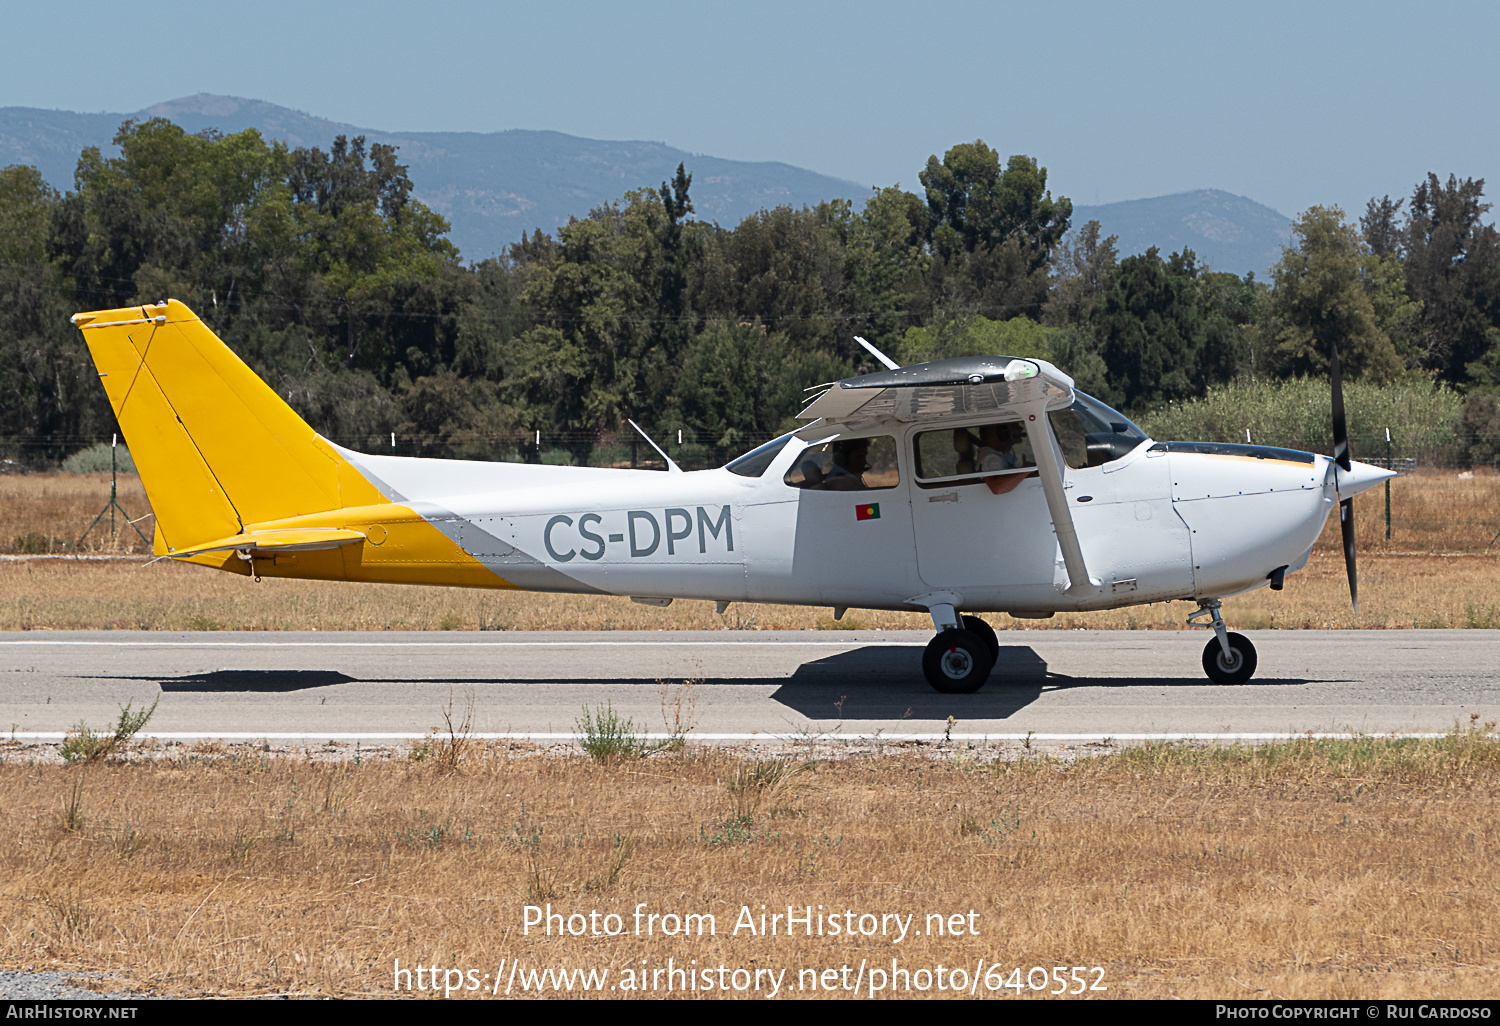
1091, 434
755, 462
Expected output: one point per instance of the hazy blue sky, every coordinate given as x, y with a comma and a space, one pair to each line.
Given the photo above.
1290, 104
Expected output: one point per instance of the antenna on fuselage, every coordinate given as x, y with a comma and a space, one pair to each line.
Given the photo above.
672, 468
889, 363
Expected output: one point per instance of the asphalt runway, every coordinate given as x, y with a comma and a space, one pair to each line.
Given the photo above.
755, 683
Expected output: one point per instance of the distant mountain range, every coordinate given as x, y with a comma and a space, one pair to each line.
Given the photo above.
1227, 232
494, 186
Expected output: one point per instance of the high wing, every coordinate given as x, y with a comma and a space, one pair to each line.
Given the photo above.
1024, 389
944, 388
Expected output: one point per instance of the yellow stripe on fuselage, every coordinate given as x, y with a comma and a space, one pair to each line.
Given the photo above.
1262, 460
400, 547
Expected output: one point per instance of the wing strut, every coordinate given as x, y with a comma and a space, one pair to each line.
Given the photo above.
1049, 465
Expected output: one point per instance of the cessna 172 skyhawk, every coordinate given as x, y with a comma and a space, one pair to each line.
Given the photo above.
981, 484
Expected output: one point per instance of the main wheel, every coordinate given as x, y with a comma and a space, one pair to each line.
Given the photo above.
985, 633
957, 662
1235, 670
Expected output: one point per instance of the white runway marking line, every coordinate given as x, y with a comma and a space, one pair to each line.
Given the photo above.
799, 738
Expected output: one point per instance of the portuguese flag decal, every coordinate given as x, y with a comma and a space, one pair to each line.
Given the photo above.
867, 511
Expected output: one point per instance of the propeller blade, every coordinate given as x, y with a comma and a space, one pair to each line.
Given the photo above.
1340, 428
1341, 457
1346, 524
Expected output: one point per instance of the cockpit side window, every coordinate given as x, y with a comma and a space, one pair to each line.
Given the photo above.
846, 465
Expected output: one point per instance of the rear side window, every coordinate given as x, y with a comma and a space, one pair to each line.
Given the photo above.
954, 455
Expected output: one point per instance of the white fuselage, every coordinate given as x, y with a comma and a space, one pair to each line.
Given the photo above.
1153, 525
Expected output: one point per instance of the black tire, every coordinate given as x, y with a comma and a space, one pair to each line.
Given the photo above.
957, 662
985, 633
1221, 671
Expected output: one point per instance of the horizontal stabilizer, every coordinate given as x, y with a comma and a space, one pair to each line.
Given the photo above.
305, 539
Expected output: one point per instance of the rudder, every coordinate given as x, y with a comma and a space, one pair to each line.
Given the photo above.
216, 448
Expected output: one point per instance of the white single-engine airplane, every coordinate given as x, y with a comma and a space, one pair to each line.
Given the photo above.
981, 484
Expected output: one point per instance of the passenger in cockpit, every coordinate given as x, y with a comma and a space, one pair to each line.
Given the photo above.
963, 444
998, 453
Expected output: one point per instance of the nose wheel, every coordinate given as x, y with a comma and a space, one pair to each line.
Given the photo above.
1236, 667
1229, 658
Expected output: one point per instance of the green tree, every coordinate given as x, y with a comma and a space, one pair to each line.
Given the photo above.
1158, 327
1080, 266
976, 336
586, 364
1452, 263
974, 204
886, 266
49, 391
741, 383
387, 277
676, 206
992, 230
786, 268
1322, 296
1381, 230
169, 217
302, 261
1241, 301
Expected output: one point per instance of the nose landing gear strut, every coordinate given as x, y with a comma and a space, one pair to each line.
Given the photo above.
1229, 658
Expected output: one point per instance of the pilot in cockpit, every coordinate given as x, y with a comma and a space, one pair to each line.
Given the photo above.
850, 461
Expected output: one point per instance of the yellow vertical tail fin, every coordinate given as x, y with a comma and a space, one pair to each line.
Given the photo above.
216, 448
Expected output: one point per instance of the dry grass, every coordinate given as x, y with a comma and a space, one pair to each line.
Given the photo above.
1435, 572
1436, 512
1312, 869
1395, 591
49, 512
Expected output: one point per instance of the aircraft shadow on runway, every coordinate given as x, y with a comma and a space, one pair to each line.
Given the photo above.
886, 682
263, 681
879, 682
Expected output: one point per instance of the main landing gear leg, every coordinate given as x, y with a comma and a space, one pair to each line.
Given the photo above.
958, 661
1229, 658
